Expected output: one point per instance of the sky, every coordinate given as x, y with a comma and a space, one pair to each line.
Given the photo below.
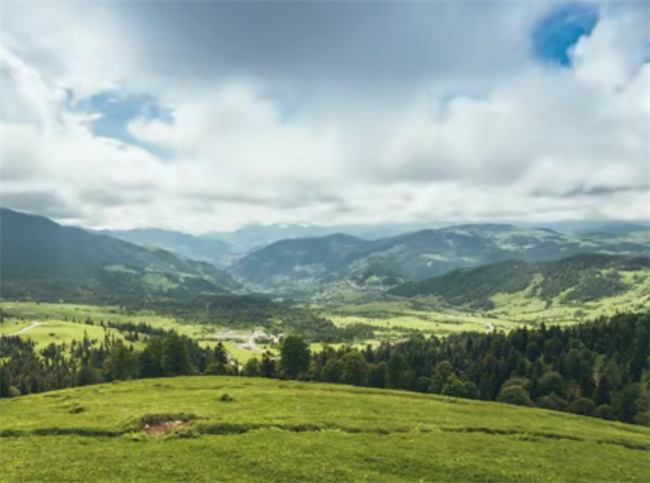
207, 116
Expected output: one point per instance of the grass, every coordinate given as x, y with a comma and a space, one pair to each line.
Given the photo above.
393, 316
60, 332
518, 306
290, 431
56, 325
428, 315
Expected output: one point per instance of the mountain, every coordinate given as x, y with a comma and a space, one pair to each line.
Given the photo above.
306, 259
582, 227
418, 255
43, 260
577, 279
254, 237
216, 252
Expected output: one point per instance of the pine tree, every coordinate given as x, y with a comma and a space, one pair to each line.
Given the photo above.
220, 354
396, 366
294, 357
175, 358
355, 369
4, 382
253, 367
268, 366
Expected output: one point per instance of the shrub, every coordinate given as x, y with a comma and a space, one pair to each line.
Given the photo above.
552, 401
605, 411
13, 391
515, 395
582, 405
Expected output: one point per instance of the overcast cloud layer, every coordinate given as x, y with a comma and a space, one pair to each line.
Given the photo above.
209, 116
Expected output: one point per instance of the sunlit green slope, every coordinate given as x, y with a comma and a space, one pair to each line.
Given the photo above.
270, 430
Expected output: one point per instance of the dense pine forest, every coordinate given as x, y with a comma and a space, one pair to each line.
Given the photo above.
598, 369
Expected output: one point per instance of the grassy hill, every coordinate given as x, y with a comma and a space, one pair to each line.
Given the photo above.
311, 262
274, 430
46, 261
581, 278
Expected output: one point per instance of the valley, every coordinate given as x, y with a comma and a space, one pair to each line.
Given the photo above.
427, 341
324, 241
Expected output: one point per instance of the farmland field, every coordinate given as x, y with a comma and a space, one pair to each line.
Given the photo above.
291, 431
62, 323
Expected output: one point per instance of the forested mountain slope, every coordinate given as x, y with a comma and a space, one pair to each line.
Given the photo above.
43, 260
419, 255
307, 260
580, 278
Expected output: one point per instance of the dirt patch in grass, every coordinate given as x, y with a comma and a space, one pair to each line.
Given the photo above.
158, 430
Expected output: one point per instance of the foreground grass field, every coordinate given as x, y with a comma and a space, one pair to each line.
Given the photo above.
270, 430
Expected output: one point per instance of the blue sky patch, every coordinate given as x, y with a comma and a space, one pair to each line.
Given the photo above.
560, 30
117, 111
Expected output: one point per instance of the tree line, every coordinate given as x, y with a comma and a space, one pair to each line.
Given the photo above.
598, 368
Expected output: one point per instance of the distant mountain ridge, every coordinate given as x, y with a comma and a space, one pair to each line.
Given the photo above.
43, 260
307, 262
254, 237
217, 252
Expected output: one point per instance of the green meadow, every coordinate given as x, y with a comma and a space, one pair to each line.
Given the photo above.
282, 431
63, 323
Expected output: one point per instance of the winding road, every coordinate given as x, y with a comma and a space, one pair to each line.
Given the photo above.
25, 329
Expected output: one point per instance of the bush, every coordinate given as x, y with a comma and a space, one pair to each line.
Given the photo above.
517, 381
552, 401
582, 405
226, 398
605, 411
13, 391
642, 418
515, 395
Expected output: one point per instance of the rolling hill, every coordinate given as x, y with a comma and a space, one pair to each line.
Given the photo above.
43, 260
577, 279
306, 263
212, 428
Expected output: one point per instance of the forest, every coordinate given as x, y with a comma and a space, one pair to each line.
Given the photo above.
599, 368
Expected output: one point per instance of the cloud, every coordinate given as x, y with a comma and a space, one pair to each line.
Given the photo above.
322, 112
42, 202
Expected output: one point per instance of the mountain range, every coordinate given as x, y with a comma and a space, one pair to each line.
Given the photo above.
41, 256
43, 260
306, 263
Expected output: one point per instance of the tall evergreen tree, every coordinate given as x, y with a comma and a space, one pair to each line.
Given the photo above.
175, 358
355, 369
267, 368
4, 382
294, 357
